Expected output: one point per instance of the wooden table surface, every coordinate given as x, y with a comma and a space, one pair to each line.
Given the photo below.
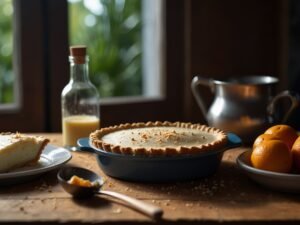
228, 197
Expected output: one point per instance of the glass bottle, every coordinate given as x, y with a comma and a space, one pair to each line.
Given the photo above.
79, 100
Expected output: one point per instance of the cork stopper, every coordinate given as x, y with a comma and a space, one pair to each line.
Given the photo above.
78, 52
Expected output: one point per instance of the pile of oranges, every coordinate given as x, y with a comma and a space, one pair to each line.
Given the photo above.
277, 150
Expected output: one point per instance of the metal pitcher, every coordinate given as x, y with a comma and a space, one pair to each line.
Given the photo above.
243, 105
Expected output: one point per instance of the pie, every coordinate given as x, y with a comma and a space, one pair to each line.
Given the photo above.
158, 138
18, 150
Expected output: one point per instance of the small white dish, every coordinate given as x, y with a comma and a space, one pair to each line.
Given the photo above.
51, 158
284, 182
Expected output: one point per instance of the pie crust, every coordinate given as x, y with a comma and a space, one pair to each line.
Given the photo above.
158, 138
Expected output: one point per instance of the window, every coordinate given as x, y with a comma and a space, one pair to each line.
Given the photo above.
23, 67
9, 82
124, 41
165, 58
41, 61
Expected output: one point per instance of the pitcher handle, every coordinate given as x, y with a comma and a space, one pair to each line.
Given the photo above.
285, 94
203, 81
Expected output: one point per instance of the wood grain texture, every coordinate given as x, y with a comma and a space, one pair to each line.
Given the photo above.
228, 197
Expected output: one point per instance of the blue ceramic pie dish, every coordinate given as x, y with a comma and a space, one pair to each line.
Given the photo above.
159, 168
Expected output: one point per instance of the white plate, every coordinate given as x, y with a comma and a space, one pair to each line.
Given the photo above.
283, 182
51, 158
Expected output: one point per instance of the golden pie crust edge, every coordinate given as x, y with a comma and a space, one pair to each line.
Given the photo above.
221, 139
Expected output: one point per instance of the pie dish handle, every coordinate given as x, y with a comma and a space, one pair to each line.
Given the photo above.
234, 141
84, 145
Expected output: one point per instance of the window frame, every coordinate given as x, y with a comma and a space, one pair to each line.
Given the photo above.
28, 63
41, 63
120, 110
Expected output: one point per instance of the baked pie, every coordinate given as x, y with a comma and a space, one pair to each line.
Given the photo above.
18, 150
158, 138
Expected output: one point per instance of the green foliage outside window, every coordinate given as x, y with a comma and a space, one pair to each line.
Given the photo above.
6, 47
111, 29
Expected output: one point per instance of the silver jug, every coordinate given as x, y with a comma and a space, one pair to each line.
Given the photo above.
242, 105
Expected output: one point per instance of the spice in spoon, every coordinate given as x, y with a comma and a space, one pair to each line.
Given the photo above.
75, 180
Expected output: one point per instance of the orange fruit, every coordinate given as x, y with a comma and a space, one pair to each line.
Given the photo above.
285, 133
272, 155
264, 137
296, 155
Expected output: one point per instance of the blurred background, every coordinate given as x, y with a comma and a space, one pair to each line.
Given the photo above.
111, 29
143, 54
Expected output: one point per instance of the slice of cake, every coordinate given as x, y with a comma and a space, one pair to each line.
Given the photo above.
18, 150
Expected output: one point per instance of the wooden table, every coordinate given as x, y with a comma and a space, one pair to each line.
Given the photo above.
227, 197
